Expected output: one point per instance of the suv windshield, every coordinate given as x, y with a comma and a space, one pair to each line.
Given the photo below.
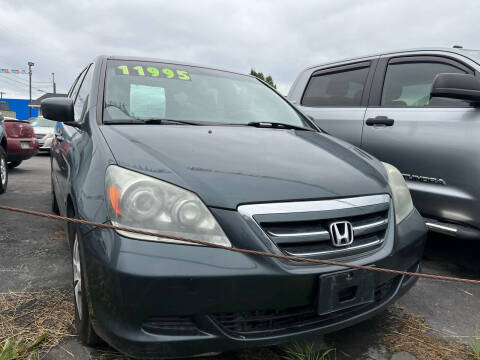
138, 91
41, 122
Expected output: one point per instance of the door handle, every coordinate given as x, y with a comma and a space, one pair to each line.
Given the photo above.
380, 120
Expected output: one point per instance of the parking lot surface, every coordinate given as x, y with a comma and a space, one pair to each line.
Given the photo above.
435, 320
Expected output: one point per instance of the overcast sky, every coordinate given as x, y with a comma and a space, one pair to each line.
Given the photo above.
276, 37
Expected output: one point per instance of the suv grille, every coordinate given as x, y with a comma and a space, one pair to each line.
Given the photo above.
302, 228
276, 322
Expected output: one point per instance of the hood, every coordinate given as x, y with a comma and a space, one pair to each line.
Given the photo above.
231, 165
43, 130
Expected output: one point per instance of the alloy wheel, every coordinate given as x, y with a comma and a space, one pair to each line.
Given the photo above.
3, 170
77, 277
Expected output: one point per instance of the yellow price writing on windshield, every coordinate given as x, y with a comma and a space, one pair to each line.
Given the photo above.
152, 71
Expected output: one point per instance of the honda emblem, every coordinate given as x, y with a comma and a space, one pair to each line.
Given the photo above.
341, 233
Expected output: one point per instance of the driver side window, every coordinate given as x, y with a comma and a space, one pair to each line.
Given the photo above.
408, 84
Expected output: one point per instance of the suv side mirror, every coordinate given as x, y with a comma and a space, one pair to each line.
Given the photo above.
456, 86
58, 109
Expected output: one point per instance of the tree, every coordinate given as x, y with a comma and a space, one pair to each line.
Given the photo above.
268, 79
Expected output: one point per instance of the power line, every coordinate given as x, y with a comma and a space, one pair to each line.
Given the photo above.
25, 80
21, 84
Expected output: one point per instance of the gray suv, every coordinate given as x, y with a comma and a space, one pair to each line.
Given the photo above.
416, 109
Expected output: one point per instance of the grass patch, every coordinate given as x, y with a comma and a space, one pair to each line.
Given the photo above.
411, 334
307, 352
476, 344
13, 349
31, 323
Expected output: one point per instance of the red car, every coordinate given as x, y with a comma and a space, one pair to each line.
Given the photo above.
22, 144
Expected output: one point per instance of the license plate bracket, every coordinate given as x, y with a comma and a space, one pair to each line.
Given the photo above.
345, 289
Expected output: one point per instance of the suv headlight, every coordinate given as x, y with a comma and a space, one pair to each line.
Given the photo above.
402, 200
144, 203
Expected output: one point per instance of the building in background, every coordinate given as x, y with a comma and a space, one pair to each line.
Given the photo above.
5, 109
36, 102
18, 108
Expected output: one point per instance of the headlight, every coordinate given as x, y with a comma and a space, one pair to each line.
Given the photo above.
402, 199
144, 203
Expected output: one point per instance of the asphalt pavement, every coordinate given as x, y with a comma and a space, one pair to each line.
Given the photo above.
34, 255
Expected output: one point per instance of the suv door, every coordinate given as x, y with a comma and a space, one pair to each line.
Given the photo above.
429, 140
65, 134
336, 98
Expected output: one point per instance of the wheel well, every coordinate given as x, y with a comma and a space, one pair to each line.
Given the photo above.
70, 207
3, 143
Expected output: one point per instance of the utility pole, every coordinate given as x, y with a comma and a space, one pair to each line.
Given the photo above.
30, 64
2, 93
54, 85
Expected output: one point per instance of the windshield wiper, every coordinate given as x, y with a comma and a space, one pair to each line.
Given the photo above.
151, 121
275, 125
166, 121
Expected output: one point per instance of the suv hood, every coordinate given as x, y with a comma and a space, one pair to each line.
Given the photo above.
231, 165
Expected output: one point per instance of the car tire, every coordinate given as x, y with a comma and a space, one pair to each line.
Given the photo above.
13, 164
3, 171
83, 323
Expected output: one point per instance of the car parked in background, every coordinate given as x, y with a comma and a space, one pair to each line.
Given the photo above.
3, 157
416, 109
44, 132
22, 144
199, 153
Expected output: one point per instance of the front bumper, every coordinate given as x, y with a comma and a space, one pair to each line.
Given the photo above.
17, 153
45, 143
153, 300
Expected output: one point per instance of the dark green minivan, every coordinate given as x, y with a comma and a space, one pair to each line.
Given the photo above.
199, 153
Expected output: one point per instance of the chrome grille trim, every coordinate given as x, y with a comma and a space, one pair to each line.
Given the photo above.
338, 251
362, 229
317, 207
311, 206
357, 230
299, 234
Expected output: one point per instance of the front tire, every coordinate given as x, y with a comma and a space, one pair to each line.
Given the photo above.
82, 316
13, 164
3, 171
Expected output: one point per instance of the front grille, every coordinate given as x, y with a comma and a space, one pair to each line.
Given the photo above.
302, 228
277, 322
171, 325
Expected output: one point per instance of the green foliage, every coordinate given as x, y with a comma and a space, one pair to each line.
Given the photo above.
476, 345
307, 352
13, 349
268, 79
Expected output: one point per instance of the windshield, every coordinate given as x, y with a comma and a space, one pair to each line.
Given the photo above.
138, 91
41, 122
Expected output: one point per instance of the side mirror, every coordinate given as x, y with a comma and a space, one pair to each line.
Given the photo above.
58, 109
456, 86
1, 118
